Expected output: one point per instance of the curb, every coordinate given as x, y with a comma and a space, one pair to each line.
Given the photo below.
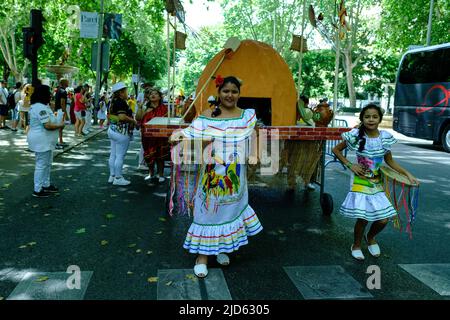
88, 137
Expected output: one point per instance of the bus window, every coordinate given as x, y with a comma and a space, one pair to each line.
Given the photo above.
426, 67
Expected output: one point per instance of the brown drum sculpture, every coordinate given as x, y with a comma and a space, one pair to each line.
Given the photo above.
322, 114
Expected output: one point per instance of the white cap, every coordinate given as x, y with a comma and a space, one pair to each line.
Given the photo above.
118, 86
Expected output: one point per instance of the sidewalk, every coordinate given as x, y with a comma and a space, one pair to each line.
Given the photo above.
17, 161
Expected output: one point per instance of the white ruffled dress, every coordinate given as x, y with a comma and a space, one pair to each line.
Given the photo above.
223, 219
367, 199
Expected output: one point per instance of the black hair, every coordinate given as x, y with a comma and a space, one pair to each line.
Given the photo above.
362, 129
77, 89
18, 85
216, 112
305, 99
41, 94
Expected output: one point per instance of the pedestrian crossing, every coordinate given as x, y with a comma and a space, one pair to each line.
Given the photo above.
325, 282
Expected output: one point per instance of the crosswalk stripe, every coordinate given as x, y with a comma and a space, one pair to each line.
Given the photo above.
182, 284
436, 276
50, 286
325, 282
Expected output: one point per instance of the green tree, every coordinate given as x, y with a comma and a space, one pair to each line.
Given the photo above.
404, 23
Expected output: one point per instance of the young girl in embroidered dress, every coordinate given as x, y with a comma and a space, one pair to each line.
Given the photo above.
366, 201
223, 218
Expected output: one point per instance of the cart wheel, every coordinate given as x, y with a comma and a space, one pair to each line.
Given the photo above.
326, 202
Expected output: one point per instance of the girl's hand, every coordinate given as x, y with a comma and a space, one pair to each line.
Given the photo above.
175, 137
358, 169
412, 179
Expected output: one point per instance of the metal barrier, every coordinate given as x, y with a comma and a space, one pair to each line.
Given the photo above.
330, 144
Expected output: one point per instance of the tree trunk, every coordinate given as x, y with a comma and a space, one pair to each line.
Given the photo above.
350, 84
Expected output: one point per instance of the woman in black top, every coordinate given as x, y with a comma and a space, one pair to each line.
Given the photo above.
120, 131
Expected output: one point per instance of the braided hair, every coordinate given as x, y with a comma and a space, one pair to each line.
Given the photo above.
362, 129
216, 112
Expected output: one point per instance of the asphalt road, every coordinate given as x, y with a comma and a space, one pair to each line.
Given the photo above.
124, 236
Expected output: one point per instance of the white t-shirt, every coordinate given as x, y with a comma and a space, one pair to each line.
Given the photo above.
3, 96
40, 139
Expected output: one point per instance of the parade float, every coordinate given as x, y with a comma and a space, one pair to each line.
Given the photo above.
269, 88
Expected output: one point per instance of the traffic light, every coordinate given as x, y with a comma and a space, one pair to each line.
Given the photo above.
37, 20
29, 43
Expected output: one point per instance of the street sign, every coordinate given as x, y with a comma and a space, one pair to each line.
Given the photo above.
112, 26
105, 56
89, 25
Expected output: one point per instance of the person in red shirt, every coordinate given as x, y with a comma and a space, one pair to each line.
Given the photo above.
155, 149
80, 109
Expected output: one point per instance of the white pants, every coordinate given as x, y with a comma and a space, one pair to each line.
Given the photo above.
119, 147
141, 157
42, 170
88, 123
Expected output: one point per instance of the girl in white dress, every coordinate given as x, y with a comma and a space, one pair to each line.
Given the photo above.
366, 201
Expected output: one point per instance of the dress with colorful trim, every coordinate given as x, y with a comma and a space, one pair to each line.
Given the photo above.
367, 199
223, 219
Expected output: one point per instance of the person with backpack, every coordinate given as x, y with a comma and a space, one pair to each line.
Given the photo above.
13, 103
3, 106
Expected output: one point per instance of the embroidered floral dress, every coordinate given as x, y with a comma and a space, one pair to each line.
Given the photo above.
223, 219
366, 199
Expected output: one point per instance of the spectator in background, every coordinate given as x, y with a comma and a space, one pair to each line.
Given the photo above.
15, 111
24, 108
42, 139
89, 103
101, 114
61, 106
80, 109
120, 131
3, 105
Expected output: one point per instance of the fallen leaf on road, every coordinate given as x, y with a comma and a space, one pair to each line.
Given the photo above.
103, 225
280, 231
7, 185
169, 283
129, 272
191, 277
47, 214
35, 206
158, 232
67, 189
162, 219
42, 279
132, 245
109, 216
1, 298
23, 247
32, 243
82, 230
149, 252
103, 201
103, 174
138, 251
69, 176
104, 242
161, 195
113, 195
152, 279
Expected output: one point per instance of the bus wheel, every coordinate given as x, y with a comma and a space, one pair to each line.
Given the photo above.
446, 138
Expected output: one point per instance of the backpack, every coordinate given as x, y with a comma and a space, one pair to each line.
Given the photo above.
11, 100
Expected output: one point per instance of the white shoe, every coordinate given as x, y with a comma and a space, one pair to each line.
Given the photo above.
148, 177
161, 179
142, 167
121, 181
111, 179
